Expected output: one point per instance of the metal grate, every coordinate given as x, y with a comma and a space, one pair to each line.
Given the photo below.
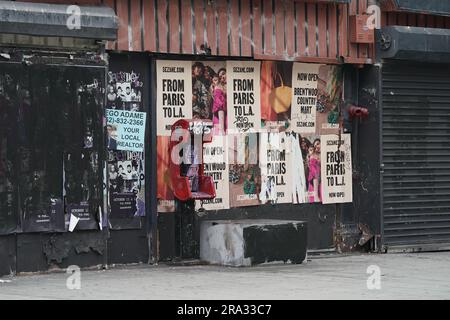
416, 154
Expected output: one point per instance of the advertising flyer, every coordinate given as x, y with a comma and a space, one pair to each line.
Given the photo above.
336, 169
329, 99
49, 217
276, 94
126, 184
83, 215
215, 160
243, 96
173, 93
209, 93
311, 152
123, 205
126, 130
245, 173
305, 78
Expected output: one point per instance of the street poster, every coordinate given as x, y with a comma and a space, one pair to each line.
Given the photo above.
304, 98
126, 130
173, 93
243, 96
336, 168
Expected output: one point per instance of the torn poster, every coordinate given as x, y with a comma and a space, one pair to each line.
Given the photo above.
215, 159
274, 163
244, 171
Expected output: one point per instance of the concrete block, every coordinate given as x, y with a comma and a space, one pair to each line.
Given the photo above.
251, 242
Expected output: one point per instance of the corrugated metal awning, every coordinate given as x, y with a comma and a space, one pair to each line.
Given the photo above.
53, 20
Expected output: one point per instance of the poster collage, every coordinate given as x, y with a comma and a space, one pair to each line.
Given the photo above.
125, 142
277, 136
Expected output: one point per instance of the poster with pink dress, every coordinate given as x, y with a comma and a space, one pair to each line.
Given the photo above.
310, 150
209, 93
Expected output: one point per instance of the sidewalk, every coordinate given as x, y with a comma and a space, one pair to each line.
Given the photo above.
403, 276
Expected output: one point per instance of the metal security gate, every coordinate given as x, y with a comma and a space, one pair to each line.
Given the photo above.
416, 155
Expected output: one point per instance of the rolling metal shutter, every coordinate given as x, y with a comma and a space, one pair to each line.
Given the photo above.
416, 155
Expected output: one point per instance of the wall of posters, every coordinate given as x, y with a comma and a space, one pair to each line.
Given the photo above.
215, 158
274, 160
126, 130
173, 93
284, 107
304, 98
244, 172
243, 98
336, 168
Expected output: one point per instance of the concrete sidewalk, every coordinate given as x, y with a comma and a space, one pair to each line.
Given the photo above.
403, 276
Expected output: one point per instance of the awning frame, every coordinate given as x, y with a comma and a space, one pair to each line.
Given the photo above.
414, 43
53, 20
434, 7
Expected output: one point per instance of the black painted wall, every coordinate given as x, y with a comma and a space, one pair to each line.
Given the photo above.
7, 254
42, 251
368, 153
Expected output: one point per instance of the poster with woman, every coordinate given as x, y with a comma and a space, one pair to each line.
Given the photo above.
310, 150
276, 94
244, 170
209, 93
329, 97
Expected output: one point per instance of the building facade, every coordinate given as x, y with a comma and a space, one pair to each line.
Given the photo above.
74, 191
